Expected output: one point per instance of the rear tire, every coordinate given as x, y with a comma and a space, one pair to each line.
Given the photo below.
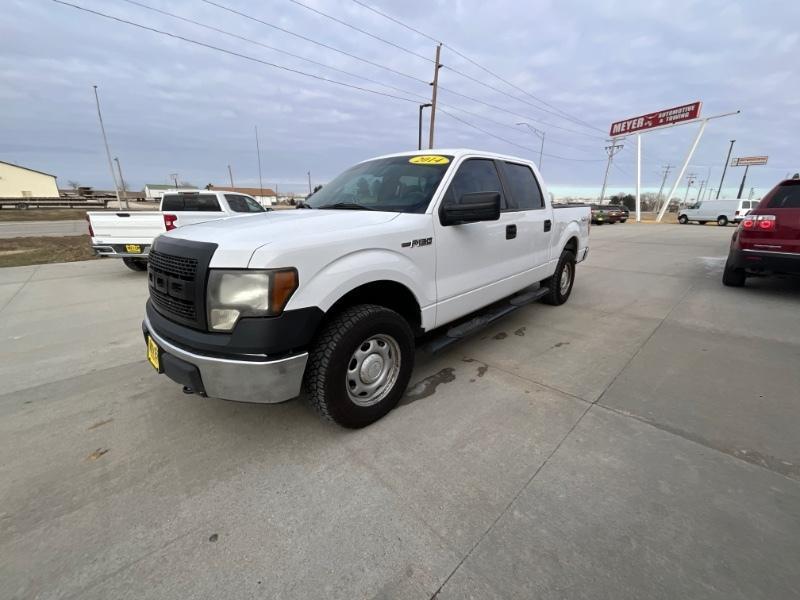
135, 264
360, 365
722, 221
733, 277
561, 282
683, 219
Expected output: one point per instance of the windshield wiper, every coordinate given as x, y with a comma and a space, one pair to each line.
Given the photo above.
346, 206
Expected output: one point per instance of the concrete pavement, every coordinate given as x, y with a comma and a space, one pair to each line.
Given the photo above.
637, 442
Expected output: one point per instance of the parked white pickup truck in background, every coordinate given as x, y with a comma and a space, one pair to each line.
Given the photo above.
335, 296
129, 235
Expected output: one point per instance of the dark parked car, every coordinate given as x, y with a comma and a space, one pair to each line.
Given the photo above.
605, 213
624, 212
768, 238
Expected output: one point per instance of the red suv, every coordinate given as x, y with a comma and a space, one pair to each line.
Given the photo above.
768, 238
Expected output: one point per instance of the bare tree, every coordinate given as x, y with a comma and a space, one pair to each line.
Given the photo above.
73, 184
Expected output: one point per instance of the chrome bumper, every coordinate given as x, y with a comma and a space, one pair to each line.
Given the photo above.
263, 382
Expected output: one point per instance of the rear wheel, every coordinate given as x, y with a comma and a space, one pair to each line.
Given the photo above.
135, 264
360, 365
732, 276
722, 220
683, 219
560, 284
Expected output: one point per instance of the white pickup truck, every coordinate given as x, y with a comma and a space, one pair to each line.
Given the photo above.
334, 297
129, 235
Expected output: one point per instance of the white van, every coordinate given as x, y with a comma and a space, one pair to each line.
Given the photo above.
722, 211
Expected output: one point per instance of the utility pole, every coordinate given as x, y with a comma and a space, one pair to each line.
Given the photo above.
419, 136
752, 193
700, 191
435, 85
667, 169
611, 151
309, 182
108, 152
689, 181
122, 183
744, 177
540, 134
258, 151
230, 174
174, 177
725, 168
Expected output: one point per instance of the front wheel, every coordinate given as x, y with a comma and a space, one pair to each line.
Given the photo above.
722, 220
135, 264
560, 284
683, 219
359, 365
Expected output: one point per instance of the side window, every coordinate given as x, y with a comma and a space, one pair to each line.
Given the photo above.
476, 175
201, 202
524, 189
243, 204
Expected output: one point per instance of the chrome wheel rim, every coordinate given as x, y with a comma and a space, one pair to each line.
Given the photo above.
566, 279
373, 369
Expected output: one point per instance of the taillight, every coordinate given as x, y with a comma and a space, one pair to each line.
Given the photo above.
759, 222
169, 222
89, 224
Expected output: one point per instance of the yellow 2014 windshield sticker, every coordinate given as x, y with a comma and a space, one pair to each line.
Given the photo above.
429, 159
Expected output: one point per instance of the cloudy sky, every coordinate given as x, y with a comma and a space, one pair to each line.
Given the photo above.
175, 107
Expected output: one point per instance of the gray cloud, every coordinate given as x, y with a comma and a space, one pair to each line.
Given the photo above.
174, 107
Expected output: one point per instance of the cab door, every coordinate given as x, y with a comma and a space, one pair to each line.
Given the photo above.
475, 262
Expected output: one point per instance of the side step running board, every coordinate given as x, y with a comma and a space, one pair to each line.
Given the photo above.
484, 319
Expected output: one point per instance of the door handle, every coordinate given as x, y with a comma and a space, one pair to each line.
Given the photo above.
511, 232
548, 225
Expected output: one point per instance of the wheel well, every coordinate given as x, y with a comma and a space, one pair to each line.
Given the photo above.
390, 294
572, 245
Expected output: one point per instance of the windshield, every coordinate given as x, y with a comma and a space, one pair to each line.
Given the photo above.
387, 184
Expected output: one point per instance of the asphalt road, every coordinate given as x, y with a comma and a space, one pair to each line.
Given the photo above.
637, 442
12, 229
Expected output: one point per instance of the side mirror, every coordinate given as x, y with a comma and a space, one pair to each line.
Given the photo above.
478, 206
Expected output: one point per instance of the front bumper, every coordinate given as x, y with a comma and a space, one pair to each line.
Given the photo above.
762, 261
260, 381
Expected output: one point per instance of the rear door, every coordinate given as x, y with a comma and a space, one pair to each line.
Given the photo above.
475, 261
534, 219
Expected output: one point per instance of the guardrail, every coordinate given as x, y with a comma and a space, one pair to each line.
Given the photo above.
25, 203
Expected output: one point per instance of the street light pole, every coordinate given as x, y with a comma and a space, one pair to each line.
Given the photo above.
419, 136
725, 168
309, 182
108, 152
230, 174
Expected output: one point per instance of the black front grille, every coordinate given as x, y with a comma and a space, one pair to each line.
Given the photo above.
176, 274
175, 266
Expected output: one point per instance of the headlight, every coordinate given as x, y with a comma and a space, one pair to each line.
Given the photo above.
233, 294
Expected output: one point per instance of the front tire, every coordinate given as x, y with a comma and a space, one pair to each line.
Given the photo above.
683, 219
135, 264
360, 365
722, 221
561, 282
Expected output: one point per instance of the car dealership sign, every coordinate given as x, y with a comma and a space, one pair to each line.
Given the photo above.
749, 161
670, 116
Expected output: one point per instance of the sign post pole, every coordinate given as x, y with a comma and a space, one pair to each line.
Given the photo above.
638, 177
682, 171
744, 178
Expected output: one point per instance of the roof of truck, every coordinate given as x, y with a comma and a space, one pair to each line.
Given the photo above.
454, 152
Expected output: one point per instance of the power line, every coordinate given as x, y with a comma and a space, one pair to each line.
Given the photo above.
296, 71
267, 46
384, 67
313, 41
233, 53
563, 114
507, 141
372, 35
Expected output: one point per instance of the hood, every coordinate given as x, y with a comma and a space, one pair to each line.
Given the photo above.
239, 237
